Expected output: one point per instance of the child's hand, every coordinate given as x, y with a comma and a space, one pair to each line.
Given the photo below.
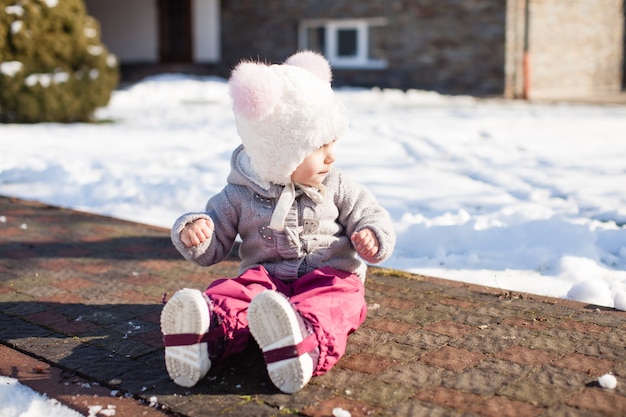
366, 244
197, 232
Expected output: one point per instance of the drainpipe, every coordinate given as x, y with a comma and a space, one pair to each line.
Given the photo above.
526, 56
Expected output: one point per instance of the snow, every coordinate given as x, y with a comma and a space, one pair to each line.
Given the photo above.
608, 381
51, 3
340, 412
90, 32
520, 196
98, 410
95, 50
16, 27
10, 68
111, 60
16, 10
20, 401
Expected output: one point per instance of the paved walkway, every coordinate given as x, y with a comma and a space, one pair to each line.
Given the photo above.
80, 298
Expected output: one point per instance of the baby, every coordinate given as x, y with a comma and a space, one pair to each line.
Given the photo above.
302, 223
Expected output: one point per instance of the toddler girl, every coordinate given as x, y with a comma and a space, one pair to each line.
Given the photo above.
302, 223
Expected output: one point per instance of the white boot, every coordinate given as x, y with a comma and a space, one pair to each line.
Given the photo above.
185, 319
288, 350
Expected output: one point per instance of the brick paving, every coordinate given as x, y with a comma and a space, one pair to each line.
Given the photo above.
81, 294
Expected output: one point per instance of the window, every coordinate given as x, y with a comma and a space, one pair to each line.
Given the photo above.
346, 43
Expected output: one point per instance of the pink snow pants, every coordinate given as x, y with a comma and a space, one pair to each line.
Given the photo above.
332, 301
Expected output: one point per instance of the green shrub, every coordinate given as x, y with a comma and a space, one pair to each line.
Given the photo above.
53, 67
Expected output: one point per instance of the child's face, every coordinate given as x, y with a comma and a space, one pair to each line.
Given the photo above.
314, 168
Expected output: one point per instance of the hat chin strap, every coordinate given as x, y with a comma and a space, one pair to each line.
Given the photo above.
286, 199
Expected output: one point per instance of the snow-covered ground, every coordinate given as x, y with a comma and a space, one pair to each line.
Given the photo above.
515, 195
17, 400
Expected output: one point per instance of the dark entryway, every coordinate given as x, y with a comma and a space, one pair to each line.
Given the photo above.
175, 30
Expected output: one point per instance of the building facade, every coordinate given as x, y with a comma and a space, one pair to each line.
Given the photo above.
510, 48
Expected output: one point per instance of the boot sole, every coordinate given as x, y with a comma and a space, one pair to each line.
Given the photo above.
273, 324
186, 312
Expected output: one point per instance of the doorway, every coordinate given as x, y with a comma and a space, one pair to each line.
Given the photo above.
175, 31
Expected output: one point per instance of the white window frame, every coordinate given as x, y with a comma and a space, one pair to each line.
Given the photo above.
332, 26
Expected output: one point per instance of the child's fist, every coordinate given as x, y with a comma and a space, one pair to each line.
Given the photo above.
366, 244
197, 232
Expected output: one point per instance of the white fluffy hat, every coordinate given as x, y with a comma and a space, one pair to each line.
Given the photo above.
285, 112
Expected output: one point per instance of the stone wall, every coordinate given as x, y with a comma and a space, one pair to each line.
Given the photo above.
449, 46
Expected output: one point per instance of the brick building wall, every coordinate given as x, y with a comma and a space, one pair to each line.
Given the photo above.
478, 47
450, 46
576, 47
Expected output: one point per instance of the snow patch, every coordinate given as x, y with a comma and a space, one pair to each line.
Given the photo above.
98, 410
90, 32
607, 381
95, 50
16, 27
18, 400
111, 60
340, 412
10, 68
15, 10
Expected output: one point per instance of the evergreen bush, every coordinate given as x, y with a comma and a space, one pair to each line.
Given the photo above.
53, 66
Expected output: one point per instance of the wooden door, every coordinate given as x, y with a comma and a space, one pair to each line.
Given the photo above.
175, 31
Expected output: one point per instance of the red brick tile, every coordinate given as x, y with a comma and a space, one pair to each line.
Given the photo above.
74, 327
72, 251
535, 324
62, 298
367, 364
397, 303
504, 407
77, 393
74, 284
61, 323
526, 356
132, 297
92, 268
354, 407
47, 318
57, 264
449, 398
154, 318
142, 279
582, 327
151, 338
606, 403
156, 264
455, 302
452, 358
586, 364
450, 328
377, 286
20, 254
7, 232
390, 325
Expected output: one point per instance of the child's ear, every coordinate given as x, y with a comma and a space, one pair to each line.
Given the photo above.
256, 90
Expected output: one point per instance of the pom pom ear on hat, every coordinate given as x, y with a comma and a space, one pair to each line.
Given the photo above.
256, 90
313, 62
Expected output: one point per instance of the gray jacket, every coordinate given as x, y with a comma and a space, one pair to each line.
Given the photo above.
322, 231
